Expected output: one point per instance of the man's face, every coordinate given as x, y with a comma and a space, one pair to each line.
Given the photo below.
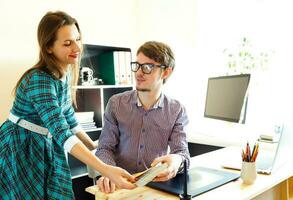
148, 82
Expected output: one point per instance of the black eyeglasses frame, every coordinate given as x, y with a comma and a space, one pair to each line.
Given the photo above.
142, 66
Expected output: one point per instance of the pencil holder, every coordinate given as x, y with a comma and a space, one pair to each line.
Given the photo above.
248, 172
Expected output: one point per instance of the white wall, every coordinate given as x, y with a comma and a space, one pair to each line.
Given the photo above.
176, 23
197, 30
102, 22
222, 24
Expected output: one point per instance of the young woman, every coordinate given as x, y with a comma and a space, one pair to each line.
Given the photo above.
41, 124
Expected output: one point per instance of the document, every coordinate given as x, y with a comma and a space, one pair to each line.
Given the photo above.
147, 176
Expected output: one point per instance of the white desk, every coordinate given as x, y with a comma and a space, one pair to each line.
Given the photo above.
275, 186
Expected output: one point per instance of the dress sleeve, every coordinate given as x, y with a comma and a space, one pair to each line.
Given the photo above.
74, 125
69, 112
109, 137
178, 142
42, 92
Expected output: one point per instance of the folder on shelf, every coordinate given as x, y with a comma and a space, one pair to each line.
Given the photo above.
114, 67
127, 66
106, 68
122, 67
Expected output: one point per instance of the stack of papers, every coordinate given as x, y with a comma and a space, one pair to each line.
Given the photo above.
86, 120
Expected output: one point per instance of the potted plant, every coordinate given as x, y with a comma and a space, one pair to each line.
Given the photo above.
245, 58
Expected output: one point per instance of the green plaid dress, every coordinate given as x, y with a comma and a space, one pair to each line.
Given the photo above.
33, 166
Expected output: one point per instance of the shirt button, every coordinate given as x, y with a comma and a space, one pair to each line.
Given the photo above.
143, 130
141, 146
139, 163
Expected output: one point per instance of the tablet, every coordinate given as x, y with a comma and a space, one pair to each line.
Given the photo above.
199, 180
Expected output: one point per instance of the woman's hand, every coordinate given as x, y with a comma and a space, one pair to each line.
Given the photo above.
120, 177
106, 185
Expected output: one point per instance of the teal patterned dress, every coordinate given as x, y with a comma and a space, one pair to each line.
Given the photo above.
33, 166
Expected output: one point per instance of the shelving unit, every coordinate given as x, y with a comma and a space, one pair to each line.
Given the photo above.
110, 64
94, 98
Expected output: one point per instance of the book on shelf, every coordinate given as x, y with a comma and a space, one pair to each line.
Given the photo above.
86, 120
84, 117
85, 128
88, 125
91, 129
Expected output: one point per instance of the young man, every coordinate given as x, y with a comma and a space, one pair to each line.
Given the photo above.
141, 124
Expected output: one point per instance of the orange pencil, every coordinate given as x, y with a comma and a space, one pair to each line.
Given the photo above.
243, 155
247, 152
255, 153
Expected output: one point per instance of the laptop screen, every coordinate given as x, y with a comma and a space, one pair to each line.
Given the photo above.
284, 147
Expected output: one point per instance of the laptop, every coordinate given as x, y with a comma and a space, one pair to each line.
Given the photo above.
199, 180
267, 161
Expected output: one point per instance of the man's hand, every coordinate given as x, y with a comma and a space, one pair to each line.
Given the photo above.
105, 185
174, 161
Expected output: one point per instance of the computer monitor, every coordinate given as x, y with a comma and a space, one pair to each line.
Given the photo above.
227, 98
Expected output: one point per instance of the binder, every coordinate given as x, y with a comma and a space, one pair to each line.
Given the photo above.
122, 67
114, 67
128, 71
106, 68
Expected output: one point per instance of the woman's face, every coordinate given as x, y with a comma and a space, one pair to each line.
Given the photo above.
67, 46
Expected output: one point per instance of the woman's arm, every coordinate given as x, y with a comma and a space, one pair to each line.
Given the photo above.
119, 176
87, 141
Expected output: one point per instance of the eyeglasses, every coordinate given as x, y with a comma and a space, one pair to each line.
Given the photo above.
146, 68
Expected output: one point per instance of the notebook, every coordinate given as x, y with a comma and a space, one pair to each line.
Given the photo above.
267, 161
199, 180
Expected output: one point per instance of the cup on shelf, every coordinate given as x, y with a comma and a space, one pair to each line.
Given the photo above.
87, 78
248, 172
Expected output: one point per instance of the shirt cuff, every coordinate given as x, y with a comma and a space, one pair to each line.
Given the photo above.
77, 129
70, 142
